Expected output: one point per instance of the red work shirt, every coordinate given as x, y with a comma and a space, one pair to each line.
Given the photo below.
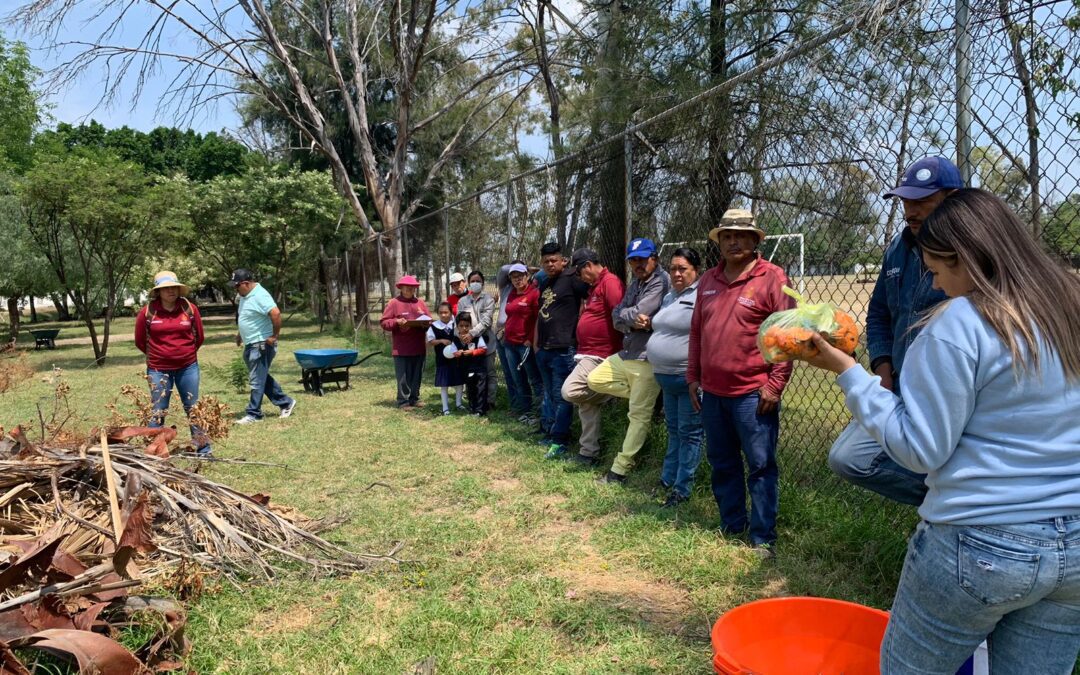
521, 312
405, 341
724, 356
172, 340
453, 299
596, 335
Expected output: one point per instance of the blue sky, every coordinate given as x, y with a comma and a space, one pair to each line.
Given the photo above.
80, 101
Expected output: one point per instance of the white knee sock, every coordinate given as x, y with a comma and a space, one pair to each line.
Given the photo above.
445, 398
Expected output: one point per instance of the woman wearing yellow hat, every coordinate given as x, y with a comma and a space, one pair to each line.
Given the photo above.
169, 331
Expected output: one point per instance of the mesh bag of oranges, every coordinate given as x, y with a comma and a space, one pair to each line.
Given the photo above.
788, 335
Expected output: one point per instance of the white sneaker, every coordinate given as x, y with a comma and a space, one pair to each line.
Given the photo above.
247, 419
286, 412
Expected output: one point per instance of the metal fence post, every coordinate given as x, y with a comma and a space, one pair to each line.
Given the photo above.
628, 186
963, 90
509, 226
446, 244
403, 233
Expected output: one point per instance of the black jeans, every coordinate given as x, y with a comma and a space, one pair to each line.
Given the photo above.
408, 370
476, 390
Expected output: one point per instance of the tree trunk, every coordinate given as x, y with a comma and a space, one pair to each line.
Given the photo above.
721, 191
361, 286
613, 113
891, 225
322, 294
33, 308
13, 318
60, 302
1031, 114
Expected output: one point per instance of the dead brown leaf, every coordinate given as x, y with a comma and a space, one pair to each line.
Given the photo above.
33, 563
94, 653
9, 663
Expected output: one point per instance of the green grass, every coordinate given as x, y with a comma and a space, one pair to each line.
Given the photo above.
512, 563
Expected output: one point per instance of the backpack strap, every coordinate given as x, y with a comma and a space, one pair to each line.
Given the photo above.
150, 314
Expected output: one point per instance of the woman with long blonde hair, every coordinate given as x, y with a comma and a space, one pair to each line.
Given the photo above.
990, 412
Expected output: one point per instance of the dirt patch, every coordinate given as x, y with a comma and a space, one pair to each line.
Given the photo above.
664, 606
296, 618
505, 484
466, 453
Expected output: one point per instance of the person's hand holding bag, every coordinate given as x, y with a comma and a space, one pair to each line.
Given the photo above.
829, 357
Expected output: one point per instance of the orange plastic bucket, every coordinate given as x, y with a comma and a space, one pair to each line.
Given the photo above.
796, 636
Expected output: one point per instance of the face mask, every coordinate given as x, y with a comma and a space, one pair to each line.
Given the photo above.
476, 287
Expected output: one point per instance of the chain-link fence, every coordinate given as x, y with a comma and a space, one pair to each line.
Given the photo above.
808, 138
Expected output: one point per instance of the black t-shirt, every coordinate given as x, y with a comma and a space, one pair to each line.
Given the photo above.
560, 304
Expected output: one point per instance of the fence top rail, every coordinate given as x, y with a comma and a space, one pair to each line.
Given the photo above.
870, 13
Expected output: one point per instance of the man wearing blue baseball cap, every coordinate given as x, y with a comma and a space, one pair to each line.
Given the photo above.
903, 294
627, 374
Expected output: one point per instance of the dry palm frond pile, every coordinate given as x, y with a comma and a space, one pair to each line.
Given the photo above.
13, 370
83, 522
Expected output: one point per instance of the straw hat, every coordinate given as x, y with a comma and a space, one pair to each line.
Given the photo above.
741, 220
167, 279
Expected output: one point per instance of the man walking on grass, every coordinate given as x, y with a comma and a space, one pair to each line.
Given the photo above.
903, 294
259, 322
627, 374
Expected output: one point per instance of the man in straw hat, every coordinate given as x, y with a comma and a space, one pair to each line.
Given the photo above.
736, 391
259, 321
903, 294
169, 331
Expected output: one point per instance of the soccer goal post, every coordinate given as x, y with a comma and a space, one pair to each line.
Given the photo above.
788, 251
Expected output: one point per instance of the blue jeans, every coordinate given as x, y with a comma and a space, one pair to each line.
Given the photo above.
1017, 584
683, 433
186, 381
523, 379
556, 413
733, 425
508, 375
258, 356
859, 459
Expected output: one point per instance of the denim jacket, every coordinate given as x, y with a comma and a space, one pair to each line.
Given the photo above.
903, 293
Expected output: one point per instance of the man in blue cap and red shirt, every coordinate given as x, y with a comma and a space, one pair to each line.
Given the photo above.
903, 294
627, 374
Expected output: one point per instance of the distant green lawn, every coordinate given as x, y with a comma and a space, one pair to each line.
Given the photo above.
513, 563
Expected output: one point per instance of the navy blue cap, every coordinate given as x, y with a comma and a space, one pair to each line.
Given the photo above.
641, 248
241, 275
927, 176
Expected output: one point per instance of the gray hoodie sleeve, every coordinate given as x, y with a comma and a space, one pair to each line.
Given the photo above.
646, 301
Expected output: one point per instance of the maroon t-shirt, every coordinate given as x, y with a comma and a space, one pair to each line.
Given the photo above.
596, 335
521, 312
170, 340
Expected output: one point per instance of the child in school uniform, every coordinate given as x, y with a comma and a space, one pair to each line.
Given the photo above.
447, 371
472, 359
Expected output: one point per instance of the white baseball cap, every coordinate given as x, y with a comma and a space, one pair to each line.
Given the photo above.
456, 277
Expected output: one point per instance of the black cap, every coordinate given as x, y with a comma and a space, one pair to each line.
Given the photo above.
241, 275
582, 256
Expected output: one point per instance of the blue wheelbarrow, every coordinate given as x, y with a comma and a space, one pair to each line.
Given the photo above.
320, 367
44, 337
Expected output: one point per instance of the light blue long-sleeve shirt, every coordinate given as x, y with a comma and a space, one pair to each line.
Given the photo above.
996, 449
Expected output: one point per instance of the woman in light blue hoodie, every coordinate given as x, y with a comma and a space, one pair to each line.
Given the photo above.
990, 412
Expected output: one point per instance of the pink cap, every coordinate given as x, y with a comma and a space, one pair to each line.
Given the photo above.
408, 280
